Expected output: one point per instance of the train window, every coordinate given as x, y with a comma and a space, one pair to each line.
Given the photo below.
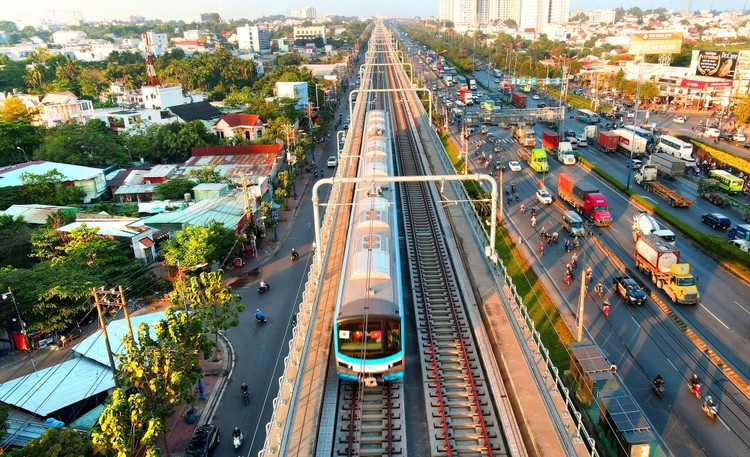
371, 242
373, 215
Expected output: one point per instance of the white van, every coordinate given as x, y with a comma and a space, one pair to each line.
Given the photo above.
573, 224
712, 132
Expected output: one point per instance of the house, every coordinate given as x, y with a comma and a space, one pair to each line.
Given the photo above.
160, 97
262, 162
91, 180
139, 238
228, 210
199, 111
67, 390
139, 183
239, 125
57, 108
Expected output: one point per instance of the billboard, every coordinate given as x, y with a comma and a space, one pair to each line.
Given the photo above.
719, 64
655, 43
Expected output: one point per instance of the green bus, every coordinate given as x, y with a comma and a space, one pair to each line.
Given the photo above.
727, 182
538, 161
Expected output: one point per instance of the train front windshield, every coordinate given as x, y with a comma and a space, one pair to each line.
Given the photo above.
382, 338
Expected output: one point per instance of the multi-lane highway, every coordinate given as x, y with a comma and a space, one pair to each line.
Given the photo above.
644, 341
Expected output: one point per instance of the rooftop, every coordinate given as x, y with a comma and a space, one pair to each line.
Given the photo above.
11, 175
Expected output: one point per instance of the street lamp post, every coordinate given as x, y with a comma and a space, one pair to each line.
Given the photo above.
24, 152
639, 61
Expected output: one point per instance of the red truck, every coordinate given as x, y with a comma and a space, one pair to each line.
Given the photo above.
585, 197
467, 97
518, 100
550, 141
607, 141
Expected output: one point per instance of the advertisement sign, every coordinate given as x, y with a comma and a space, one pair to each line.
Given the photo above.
718, 64
655, 43
697, 84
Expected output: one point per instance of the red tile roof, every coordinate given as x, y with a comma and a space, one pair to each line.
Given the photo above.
240, 119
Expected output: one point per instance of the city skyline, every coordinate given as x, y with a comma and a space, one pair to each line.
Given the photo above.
33, 12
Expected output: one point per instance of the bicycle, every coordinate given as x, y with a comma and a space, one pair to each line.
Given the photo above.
246, 397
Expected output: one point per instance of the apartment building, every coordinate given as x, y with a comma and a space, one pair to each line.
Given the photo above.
528, 14
312, 34
304, 13
252, 38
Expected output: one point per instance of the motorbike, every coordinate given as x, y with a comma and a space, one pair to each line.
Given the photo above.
263, 288
711, 410
246, 397
658, 389
695, 389
237, 438
294, 256
260, 317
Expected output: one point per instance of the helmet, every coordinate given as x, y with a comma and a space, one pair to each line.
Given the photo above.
257, 310
606, 302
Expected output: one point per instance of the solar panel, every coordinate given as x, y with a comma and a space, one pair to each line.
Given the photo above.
625, 413
591, 359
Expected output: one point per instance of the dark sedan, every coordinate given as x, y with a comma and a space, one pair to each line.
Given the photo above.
716, 220
204, 440
629, 290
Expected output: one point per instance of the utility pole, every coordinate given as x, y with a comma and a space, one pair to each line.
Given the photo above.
103, 327
22, 324
582, 291
563, 91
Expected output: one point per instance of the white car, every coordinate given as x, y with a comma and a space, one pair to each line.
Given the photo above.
573, 142
514, 165
332, 161
582, 141
535, 97
739, 137
543, 197
679, 120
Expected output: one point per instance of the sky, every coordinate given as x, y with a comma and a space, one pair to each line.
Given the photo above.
32, 12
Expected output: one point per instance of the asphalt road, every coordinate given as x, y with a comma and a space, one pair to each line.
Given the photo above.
642, 341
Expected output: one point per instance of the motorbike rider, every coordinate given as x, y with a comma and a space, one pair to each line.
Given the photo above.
708, 402
605, 308
259, 315
567, 245
589, 274
263, 285
244, 388
658, 382
295, 254
568, 277
237, 433
695, 383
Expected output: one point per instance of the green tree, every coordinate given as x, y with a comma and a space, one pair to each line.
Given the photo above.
197, 245
83, 248
214, 301
174, 189
47, 189
207, 174
161, 372
15, 235
18, 141
57, 442
649, 91
13, 76
3, 420
92, 143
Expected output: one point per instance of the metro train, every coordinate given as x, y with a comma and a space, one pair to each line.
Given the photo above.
368, 327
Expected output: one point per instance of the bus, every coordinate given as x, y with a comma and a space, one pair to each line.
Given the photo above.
643, 133
674, 147
727, 182
587, 116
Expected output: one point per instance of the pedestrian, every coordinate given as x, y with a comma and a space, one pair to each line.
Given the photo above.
605, 308
533, 221
516, 198
554, 237
62, 341
523, 208
542, 232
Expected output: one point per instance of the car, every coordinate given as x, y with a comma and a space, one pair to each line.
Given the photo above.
204, 440
636, 164
716, 220
498, 165
569, 134
746, 145
535, 97
543, 197
679, 120
483, 130
497, 80
712, 132
541, 105
629, 290
573, 142
739, 137
582, 141
491, 138
514, 165
726, 136
332, 161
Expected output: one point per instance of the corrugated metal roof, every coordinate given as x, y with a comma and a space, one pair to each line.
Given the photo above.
160, 171
136, 189
117, 227
11, 176
22, 428
34, 214
227, 210
58, 386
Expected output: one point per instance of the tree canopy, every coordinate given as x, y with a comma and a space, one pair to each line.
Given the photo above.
174, 189
92, 143
197, 245
47, 189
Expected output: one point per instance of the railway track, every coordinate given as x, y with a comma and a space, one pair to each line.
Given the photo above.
460, 412
370, 420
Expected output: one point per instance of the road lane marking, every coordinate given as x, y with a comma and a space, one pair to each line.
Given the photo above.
675, 368
742, 307
714, 315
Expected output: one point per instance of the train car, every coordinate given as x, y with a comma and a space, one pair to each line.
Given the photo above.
367, 331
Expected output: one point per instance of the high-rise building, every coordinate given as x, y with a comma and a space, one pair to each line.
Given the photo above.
251, 38
304, 13
534, 14
537, 14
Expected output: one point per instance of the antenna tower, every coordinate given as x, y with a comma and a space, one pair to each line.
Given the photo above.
151, 78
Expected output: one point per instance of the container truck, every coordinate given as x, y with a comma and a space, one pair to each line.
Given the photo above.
589, 132
448, 79
739, 232
525, 135
562, 150
550, 141
661, 261
584, 196
471, 82
710, 189
466, 97
518, 100
646, 177
646, 224
537, 159
607, 141
629, 142
667, 165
